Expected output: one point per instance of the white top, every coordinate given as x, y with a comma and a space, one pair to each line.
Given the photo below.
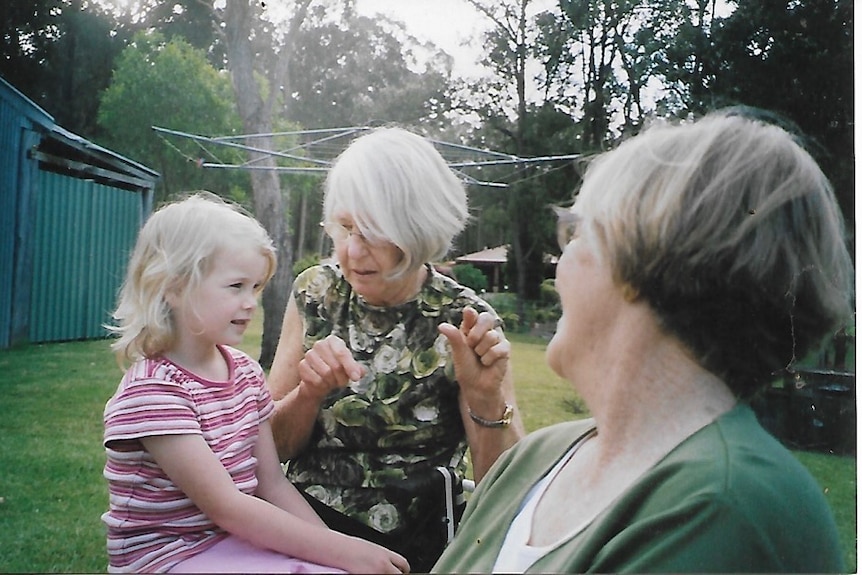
516, 554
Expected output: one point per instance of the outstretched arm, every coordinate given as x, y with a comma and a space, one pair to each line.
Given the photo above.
480, 352
189, 462
273, 486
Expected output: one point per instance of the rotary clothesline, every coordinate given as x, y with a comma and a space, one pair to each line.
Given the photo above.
315, 150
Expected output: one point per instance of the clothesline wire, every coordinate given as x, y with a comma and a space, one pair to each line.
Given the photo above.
322, 146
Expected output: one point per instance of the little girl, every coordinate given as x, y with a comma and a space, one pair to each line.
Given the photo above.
194, 480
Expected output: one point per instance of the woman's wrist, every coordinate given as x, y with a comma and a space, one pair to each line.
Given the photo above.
504, 420
310, 393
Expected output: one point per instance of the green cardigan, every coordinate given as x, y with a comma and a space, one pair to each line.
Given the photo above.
730, 498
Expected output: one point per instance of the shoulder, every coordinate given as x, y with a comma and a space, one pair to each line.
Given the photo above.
498, 497
557, 437
318, 281
248, 377
242, 362
443, 284
328, 272
728, 499
443, 294
735, 477
152, 399
542, 448
151, 376
741, 457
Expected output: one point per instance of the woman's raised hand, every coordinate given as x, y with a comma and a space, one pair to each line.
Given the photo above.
480, 350
329, 365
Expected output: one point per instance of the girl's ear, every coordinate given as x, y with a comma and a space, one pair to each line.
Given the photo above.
174, 294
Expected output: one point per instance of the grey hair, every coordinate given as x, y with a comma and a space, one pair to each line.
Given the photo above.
397, 187
174, 251
731, 232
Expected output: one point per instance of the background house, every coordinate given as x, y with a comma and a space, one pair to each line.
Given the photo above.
490, 261
69, 215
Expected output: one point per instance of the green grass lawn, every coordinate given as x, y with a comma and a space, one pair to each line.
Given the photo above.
51, 458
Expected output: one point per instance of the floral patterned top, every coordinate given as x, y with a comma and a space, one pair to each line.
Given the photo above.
402, 417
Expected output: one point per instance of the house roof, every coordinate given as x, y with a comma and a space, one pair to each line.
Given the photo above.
495, 256
487, 256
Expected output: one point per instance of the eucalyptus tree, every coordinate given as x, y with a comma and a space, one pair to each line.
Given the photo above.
621, 62
793, 59
258, 43
191, 20
257, 61
246, 38
597, 27
351, 70
522, 123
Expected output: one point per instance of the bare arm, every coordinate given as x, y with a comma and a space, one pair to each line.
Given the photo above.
189, 462
300, 381
481, 355
273, 486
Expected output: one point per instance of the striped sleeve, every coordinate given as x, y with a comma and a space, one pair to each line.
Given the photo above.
147, 407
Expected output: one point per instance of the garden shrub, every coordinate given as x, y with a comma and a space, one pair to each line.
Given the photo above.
470, 276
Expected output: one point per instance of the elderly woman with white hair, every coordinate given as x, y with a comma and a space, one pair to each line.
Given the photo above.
370, 393
700, 261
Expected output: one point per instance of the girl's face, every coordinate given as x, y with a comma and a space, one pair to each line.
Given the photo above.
367, 264
219, 310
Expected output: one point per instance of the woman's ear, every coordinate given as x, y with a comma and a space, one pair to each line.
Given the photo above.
630, 293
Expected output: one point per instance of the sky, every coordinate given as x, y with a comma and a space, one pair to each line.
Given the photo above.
452, 25
446, 23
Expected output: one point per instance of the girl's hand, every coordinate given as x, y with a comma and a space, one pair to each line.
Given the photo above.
361, 556
329, 365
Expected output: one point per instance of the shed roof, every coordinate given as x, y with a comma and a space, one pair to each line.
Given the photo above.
22, 104
62, 151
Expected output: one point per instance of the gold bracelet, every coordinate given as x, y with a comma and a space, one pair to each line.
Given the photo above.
504, 421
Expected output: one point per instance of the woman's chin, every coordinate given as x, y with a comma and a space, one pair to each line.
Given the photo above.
552, 353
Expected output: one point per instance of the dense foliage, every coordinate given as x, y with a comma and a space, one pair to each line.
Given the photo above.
172, 84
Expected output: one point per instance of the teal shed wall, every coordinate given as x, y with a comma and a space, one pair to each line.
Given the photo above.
70, 211
82, 234
19, 122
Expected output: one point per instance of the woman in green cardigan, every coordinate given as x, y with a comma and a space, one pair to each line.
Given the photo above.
700, 260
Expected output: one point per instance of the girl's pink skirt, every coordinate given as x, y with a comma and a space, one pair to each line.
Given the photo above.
235, 555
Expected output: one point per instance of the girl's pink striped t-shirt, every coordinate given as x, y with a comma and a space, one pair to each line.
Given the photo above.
151, 523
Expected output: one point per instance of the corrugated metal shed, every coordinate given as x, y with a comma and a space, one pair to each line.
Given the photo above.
70, 211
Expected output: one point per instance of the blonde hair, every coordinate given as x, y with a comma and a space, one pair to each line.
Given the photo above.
731, 232
397, 188
174, 251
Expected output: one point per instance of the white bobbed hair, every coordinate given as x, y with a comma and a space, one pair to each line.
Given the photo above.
397, 187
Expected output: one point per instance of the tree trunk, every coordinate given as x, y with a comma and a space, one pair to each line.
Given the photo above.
303, 219
269, 202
